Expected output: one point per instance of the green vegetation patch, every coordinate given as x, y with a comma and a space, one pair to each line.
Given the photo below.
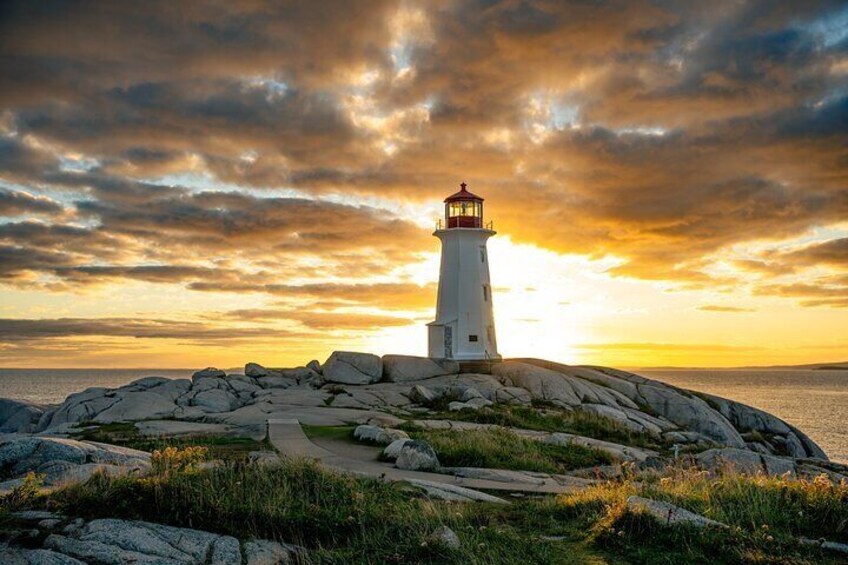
126, 434
548, 418
499, 448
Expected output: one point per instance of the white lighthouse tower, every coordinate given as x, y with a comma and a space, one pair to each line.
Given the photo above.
464, 328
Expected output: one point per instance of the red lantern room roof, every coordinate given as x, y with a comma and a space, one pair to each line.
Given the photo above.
462, 195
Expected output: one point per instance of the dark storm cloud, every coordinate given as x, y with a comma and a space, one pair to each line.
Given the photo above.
661, 133
148, 234
387, 296
22, 330
15, 203
321, 320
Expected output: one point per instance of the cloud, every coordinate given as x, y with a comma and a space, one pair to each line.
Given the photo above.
15, 203
833, 252
387, 296
824, 291
322, 320
23, 330
294, 150
671, 347
720, 308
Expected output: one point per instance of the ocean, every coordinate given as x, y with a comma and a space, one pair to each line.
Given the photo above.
814, 401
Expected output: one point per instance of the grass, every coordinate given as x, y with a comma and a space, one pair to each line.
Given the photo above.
500, 448
127, 435
549, 418
343, 519
766, 515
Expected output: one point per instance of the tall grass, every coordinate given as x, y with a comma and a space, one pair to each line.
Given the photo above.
500, 448
341, 519
765, 516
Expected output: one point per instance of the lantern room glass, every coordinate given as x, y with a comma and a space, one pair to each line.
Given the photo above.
464, 214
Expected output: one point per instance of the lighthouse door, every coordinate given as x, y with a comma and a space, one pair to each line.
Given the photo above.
448, 342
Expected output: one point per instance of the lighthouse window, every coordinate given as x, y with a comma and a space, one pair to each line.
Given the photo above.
472, 337
485, 293
473, 209
482, 255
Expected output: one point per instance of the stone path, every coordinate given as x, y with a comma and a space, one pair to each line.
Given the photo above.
288, 437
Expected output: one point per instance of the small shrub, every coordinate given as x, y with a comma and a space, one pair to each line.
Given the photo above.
25, 495
176, 460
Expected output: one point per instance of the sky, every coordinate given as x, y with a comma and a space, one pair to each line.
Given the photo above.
184, 185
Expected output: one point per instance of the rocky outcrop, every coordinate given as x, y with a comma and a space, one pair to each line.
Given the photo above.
357, 387
116, 542
63, 460
19, 416
780, 436
352, 368
669, 514
751, 462
406, 368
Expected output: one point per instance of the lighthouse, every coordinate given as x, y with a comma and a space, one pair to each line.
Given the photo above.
464, 328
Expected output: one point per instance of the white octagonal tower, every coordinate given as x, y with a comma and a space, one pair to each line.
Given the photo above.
464, 328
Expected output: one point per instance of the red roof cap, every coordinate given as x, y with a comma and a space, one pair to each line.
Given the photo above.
462, 195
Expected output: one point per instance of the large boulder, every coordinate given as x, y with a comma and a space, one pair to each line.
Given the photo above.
133, 406
256, 370
124, 541
207, 373
214, 400
405, 368
378, 435
19, 416
62, 460
417, 455
392, 451
744, 461
421, 394
351, 368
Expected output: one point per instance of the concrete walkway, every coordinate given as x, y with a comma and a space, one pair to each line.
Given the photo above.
288, 437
